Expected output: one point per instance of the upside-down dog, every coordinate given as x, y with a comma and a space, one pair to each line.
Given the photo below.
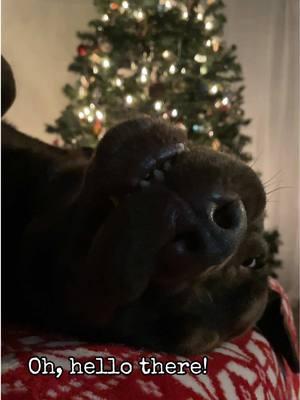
150, 241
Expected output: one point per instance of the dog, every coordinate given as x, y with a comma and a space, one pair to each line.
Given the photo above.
150, 240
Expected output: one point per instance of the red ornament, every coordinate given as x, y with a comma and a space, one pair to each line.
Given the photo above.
97, 127
82, 50
114, 6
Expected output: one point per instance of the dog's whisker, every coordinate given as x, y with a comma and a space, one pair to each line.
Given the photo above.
279, 188
256, 159
272, 178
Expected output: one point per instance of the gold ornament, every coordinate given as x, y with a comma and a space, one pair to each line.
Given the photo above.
95, 58
215, 44
216, 144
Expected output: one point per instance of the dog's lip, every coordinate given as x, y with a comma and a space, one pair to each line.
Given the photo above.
150, 169
149, 164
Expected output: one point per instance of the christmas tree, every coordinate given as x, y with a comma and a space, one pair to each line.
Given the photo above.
164, 58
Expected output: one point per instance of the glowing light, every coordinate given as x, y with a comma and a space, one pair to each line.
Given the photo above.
158, 105
211, 133
168, 5
174, 113
82, 92
208, 43
200, 58
92, 106
172, 69
165, 116
118, 82
81, 115
105, 18
99, 114
139, 15
144, 78
185, 15
225, 101
106, 63
218, 104
129, 99
203, 70
209, 25
199, 16
183, 71
86, 110
214, 89
166, 54
144, 71
125, 4
95, 69
90, 118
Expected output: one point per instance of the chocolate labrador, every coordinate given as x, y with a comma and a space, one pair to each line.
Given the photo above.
151, 240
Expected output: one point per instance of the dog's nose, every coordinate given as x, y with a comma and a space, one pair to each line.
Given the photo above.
214, 235
223, 222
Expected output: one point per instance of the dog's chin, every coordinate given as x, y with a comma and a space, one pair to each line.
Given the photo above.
202, 341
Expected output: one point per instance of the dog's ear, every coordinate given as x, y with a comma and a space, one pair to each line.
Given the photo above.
273, 325
8, 86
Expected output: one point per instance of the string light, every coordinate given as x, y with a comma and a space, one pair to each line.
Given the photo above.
158, 105
129, 99
174, 113
90, 118
105, 18
144, 78
125, 5
211, 133
209, 25
183, 71
92, 106
166, 54
105, 63
86, 110
118, 82
139, 15
172, 69
168, 5
199, 10
200, 58
185, 15
95, 69
82, 92
218, 104
214, 89
99, 114
208, 43
81, 115
165, 116
199, 16
225, 101
203, 70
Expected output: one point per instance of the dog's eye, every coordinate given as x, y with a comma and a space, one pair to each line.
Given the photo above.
253, 262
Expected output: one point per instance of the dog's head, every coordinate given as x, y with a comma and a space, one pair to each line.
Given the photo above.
175, 253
